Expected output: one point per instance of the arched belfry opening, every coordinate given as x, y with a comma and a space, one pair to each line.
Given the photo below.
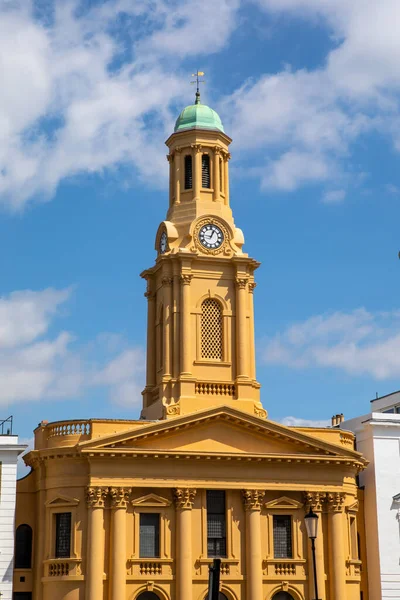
148, 596
282, 596
211, 330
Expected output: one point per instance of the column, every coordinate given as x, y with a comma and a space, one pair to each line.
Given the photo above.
175, 325
216, 182
254, 575
167, 283
178, 176
241, 327
151, 337
337, 566
184, 498
39, 538
315, 500
252, 286
226, 158
196, 170
95, 497
185, 325
170, 159
119, 502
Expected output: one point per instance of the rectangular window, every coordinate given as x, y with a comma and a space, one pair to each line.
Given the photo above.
216, 523
205, 171
282, 536
188, 172
149, 535
63, 535
353, 538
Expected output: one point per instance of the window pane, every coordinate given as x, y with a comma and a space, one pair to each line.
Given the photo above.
216, 523
282, 537
211, 330
205, 171
188, 172
149, 535
63, 535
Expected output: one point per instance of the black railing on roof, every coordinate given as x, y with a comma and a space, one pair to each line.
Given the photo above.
6, 426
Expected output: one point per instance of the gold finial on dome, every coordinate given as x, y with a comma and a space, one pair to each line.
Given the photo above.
197, 81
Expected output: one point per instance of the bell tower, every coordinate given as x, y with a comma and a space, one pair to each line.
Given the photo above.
200, 326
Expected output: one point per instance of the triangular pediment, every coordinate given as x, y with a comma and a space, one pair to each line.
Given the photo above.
284, 502
62, 501
151, 500
221, 430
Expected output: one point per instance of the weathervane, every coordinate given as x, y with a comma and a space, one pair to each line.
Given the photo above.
197, 81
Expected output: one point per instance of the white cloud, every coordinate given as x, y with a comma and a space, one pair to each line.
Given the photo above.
35, 365
78, 98
319, 113
334, 196
358, 342
297, 422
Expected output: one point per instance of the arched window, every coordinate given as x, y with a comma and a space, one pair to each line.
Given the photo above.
282, 596
23, 547
148, 596
211, 329
221, 596
188, 172
205, 171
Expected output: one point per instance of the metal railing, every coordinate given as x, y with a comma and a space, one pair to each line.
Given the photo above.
6, 426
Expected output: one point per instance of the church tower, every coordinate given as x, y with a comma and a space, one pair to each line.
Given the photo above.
200, 331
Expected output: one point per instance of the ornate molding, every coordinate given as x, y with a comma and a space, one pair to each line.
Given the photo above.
260, 412
314, 500
241, 282
167, 281
335, 501
184, 497
252, 286
253, 499
96, 497
218, 150
173, 409
119, 496
186, 279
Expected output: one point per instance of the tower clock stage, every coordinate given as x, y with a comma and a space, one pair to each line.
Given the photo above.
138, 509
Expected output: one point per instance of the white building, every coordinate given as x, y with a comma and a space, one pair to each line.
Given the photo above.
378, 438
9, 452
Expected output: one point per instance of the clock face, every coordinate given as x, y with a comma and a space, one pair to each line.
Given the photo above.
163, 242
211, 236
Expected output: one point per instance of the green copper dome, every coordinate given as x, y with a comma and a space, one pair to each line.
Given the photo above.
198, 116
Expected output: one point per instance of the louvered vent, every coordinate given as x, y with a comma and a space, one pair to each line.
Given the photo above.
188, 172
211, 329
205, 171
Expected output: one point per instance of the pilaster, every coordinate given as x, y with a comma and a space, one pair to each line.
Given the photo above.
95, 498
119, 502
184, 498
252, 504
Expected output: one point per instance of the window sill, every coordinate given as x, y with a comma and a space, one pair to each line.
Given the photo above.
218, 363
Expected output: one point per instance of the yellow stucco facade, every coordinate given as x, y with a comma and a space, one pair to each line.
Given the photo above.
202, 429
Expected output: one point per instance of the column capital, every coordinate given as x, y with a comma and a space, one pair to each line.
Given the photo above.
252, 499
197, 147
178, 150
218, 151
184, 497
335, 501
241, 282
96, 496
119, 496
252, 286
186, 279
314, 500
170, 157
167, 281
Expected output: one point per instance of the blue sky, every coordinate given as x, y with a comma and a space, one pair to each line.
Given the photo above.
308, 89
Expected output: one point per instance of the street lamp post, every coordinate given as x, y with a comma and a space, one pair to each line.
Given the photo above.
311, 520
